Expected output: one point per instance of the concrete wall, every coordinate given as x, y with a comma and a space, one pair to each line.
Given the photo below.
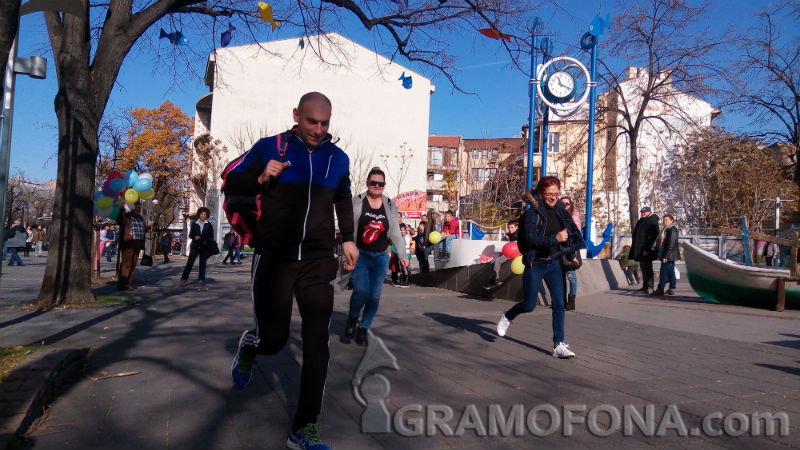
595, 276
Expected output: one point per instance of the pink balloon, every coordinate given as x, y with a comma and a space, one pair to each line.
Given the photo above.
511, 250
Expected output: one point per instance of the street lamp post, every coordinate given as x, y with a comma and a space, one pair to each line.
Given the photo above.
533, 26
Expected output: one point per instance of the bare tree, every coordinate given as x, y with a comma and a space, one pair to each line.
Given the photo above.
672, 63
403, 159
245, 136
210, 163
768, 90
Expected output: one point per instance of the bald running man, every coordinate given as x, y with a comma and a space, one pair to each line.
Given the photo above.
302, 177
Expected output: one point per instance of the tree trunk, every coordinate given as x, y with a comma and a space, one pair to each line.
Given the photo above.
68, 271
9, 23
633, 181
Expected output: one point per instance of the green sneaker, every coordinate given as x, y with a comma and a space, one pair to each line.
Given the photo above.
306, 438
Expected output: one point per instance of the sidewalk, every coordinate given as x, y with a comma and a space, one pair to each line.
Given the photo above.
632, 350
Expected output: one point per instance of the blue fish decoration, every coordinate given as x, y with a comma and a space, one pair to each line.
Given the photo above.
406, 80
598, 25
594, 250
175, 38
302, 44
227, 35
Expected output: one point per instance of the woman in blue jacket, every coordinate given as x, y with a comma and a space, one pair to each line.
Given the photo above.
546, 232
201, 236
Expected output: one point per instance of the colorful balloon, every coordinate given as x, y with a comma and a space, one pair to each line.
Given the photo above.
97, 194
147, 195
131, 178
105, 212
435, 237
107, 191
104, 203
142, 184
511, 250
517, 266
131, 196
117, 184
114, 212
146, 176
115, 174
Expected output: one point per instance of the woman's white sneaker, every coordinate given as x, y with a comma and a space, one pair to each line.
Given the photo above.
502, 325
561, 350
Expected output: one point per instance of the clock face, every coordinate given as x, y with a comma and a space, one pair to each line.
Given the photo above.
561, 85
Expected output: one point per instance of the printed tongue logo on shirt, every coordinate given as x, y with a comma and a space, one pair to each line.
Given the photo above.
371, 231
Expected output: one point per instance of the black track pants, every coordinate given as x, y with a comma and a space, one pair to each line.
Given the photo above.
274, 282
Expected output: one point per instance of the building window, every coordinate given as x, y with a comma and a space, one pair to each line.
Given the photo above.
436, 157
453, 157
438, 177
474, 153
552, 142
484, 154
494, 154
437, 197
475, 174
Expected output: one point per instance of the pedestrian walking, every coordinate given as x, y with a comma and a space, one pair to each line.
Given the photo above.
132, 233
643, 246
39, 237
668, 253
166, 245
15, 241
229, 241
201, 236
376, 229
546, 232
238, 246
771, 253
301, 176
6, 229
571, 275
28, 240
112, 236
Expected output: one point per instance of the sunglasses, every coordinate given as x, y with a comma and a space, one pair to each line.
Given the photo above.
566, 203
551, 195
377, 183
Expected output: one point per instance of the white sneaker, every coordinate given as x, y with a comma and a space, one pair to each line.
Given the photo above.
503, 325
562, 351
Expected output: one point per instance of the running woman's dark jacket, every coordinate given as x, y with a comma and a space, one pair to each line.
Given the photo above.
296, 219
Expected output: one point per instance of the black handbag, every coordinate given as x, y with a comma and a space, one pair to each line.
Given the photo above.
213, 247
569, 264
147, 260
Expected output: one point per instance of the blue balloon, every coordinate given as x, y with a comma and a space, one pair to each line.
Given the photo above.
142, 184
117, 184
97, 194
130, 178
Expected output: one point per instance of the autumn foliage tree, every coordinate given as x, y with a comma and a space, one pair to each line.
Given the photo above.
156, 142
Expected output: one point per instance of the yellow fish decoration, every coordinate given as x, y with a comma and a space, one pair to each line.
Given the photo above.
266, 13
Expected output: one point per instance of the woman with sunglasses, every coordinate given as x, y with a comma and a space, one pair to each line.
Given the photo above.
546, 231
376, 230
571, 275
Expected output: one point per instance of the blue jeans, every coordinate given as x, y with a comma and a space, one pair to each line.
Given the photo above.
572, 277
237, 255
5, 251
667, 273
367, 278
14, 257
445, 245
531, 280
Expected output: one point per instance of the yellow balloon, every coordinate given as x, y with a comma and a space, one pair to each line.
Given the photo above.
131, 196
517, 265
104, 203
435, 237
147, 195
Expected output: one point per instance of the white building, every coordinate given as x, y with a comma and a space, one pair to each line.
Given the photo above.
377, 120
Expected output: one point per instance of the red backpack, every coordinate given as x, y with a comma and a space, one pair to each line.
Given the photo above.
243, 211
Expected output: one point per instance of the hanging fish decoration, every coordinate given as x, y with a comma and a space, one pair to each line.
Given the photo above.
266, 13
494, 34
302, 44
175, 38
599, 25
593, 250
406, 80
227, 35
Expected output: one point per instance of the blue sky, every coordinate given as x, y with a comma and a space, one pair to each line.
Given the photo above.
498, 107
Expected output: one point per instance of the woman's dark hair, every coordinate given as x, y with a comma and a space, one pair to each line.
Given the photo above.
375, 171
670, 217
546, 182
205, 210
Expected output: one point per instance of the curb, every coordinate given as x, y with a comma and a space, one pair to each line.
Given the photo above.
32, 385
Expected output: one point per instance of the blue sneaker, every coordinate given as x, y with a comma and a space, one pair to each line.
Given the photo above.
306, 438
242, 367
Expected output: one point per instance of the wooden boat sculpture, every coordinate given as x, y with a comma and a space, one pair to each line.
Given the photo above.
722, 281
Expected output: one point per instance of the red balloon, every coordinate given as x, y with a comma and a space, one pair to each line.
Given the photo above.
115, 174
511, 250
